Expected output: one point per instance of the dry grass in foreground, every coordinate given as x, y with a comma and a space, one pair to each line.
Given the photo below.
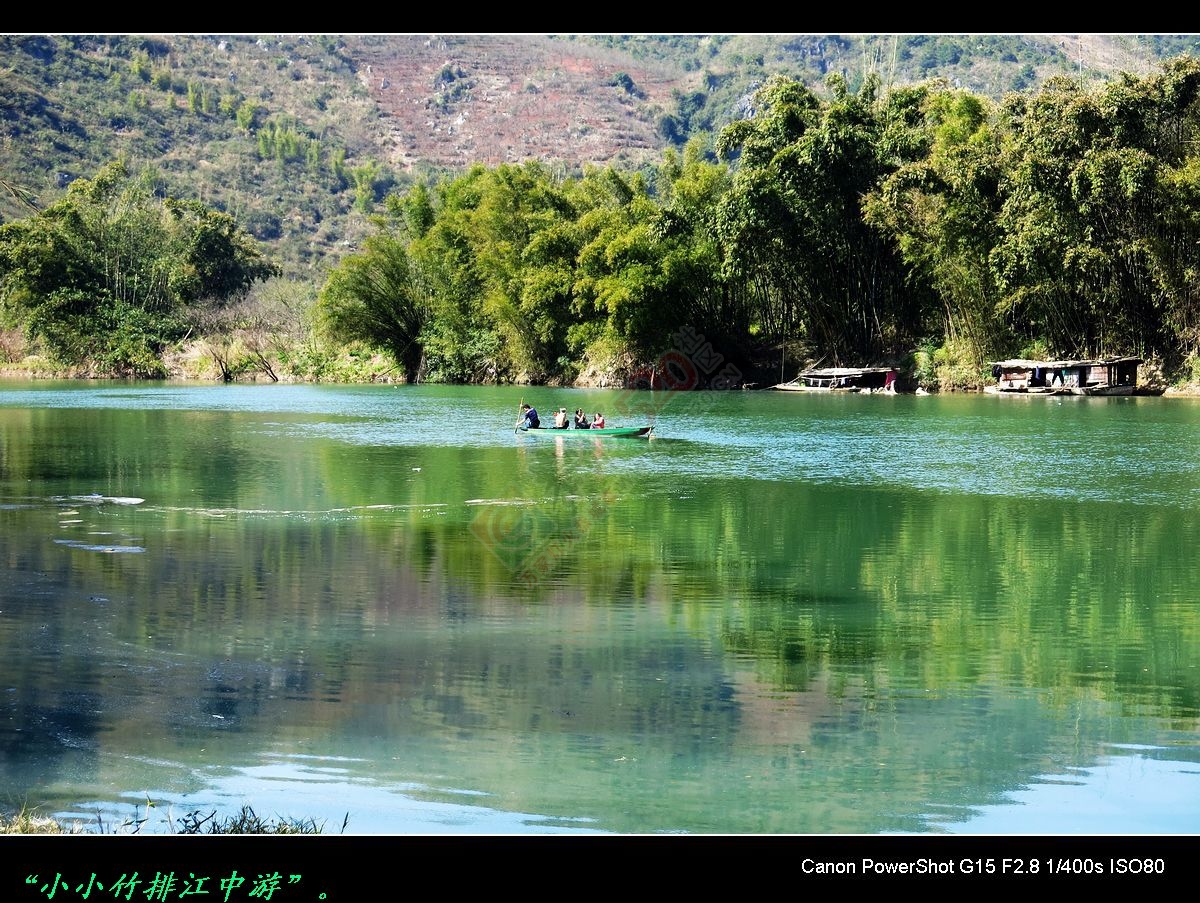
26, 822
247, 821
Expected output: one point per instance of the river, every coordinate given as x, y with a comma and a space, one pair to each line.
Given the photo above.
384, 609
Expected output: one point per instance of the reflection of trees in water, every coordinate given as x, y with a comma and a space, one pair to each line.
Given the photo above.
695, 623
931, 591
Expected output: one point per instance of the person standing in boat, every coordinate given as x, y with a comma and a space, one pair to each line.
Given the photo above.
581, 421
529, 418
598, 421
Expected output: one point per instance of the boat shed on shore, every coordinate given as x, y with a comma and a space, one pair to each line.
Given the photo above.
1113, 376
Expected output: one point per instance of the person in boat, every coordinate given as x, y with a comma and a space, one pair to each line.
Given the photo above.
581, 421
560, 419
598, 421
529, 418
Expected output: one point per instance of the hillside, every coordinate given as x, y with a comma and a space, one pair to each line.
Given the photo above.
450, 101
301, 136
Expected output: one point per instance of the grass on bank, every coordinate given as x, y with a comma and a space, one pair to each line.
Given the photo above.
246, 821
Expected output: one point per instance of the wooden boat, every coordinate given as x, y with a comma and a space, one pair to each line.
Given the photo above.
843, 379
1104, 390
607, 432
1006, 388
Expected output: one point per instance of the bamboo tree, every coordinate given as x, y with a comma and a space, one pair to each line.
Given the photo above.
794, 227
371, 297
652, 266
523, 255
1098, 250
940, 208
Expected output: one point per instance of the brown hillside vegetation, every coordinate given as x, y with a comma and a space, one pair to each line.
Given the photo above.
453, 100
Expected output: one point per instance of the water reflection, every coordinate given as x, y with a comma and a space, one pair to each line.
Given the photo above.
841, 617
1134, 790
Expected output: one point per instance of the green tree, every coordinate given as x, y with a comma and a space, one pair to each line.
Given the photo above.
365, 178
461, 341
697, 292
211, 257
103, 277
248, 115
649, 270
794, 228
1098, 250
371, 297
941, 208
522, 251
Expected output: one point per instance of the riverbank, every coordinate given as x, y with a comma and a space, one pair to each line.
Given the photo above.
198, 361
385, 375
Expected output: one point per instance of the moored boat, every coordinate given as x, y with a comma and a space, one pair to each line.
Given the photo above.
843, 379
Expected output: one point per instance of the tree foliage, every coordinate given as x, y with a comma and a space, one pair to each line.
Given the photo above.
372, 298
104, 276
863, 226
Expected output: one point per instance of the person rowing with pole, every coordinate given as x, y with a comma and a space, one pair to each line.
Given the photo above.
529, 419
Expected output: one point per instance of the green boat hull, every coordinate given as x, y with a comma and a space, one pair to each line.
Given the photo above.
627, 432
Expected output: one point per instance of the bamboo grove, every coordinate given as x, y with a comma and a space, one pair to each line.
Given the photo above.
920, 225
867, 227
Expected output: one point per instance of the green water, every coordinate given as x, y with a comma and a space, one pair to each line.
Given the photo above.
782, 614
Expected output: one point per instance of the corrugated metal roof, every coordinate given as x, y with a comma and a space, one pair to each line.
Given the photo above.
1022, 362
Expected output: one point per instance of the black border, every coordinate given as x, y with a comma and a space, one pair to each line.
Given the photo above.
357, 868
